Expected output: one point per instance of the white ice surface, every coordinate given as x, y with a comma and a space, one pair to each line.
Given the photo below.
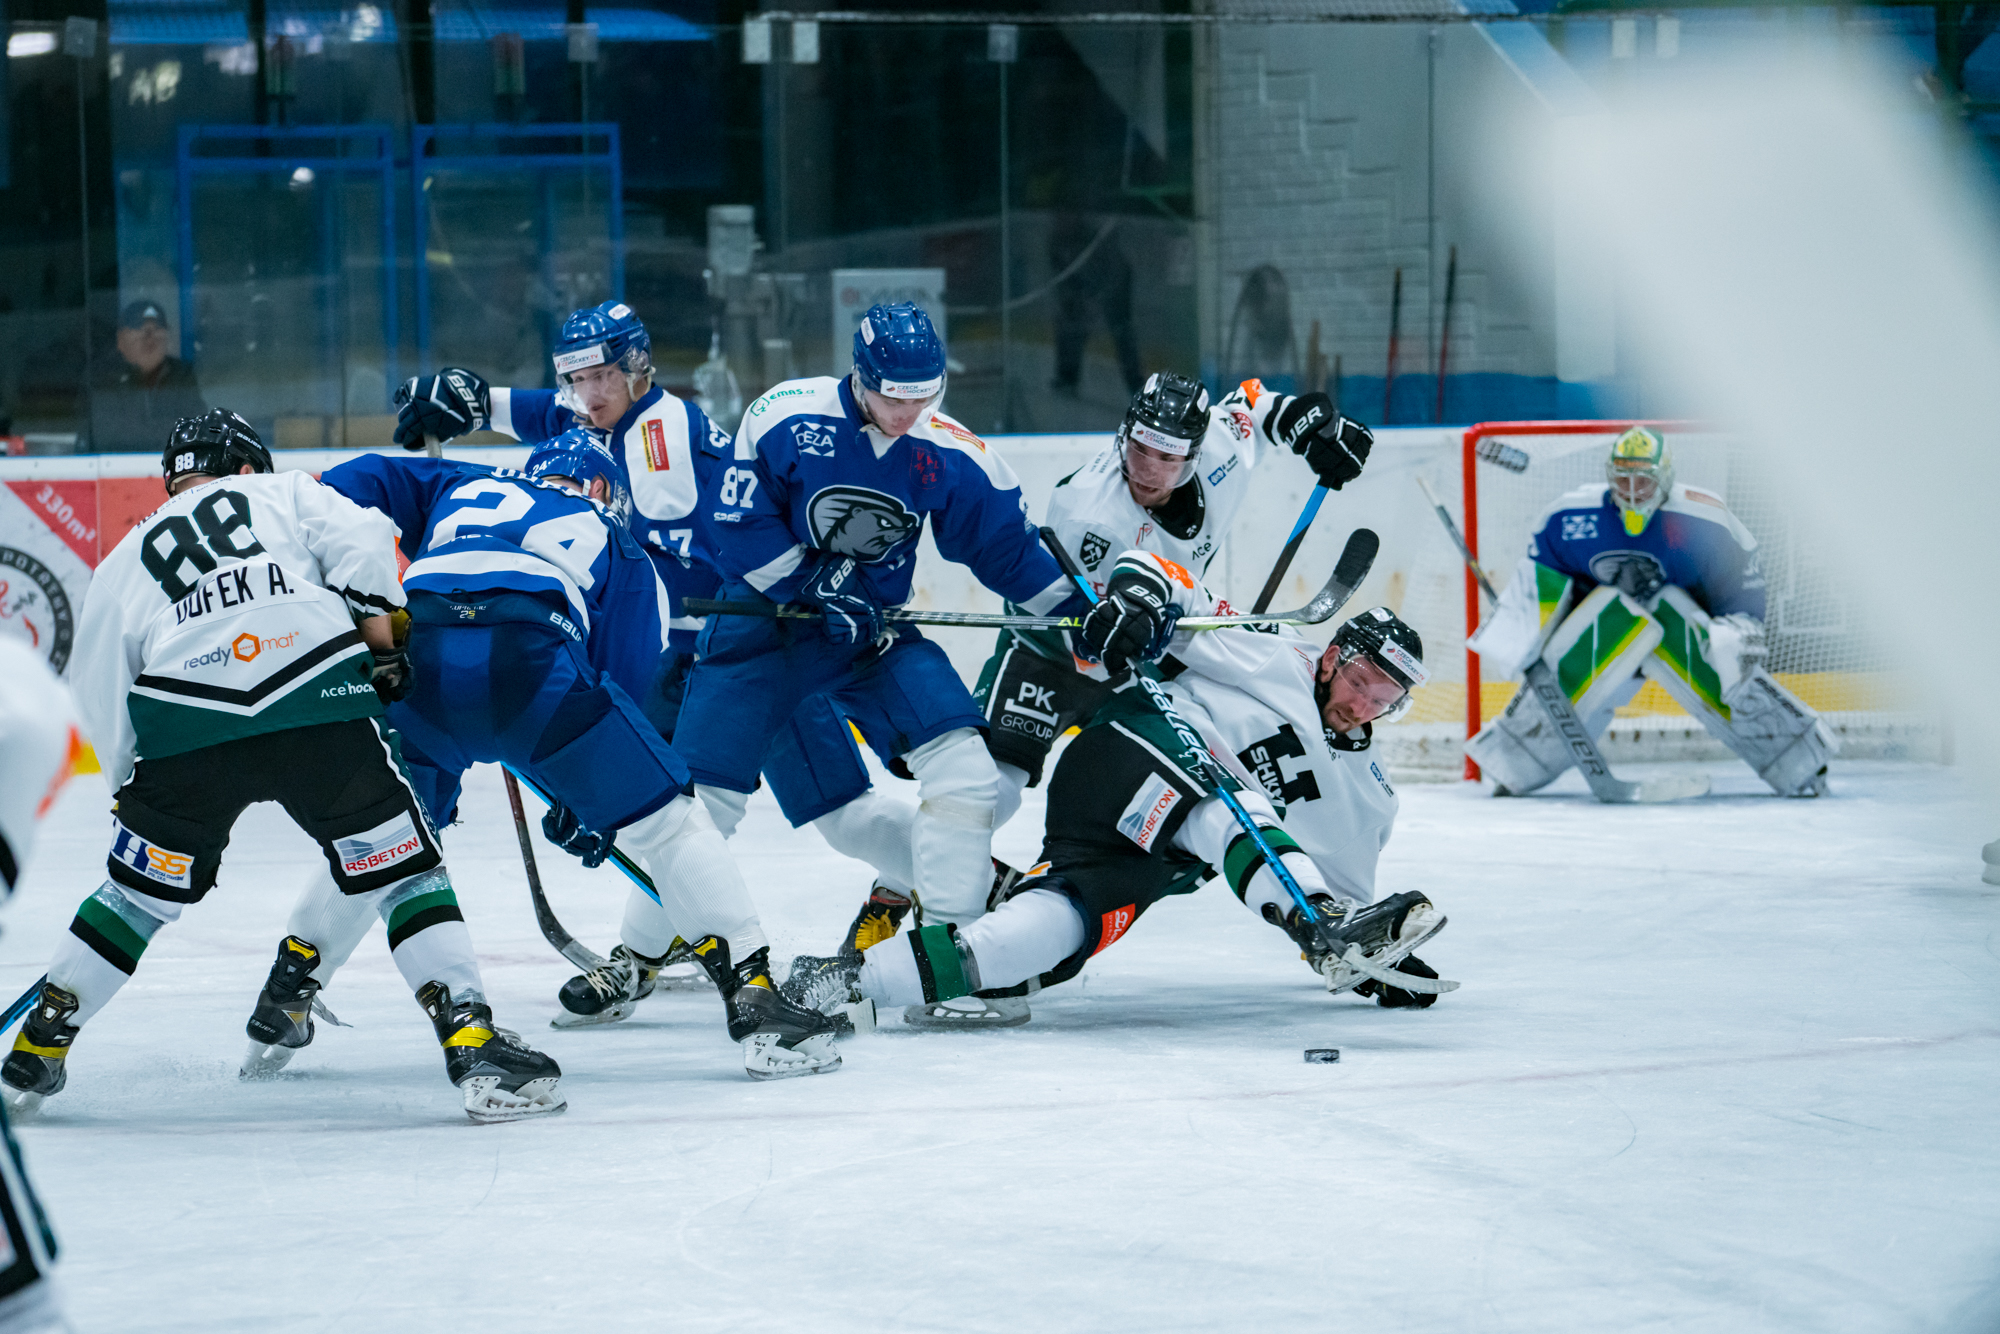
1730, 1065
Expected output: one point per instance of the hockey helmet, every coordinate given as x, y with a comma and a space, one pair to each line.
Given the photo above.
1641, 472
897, 352
582, 455
1160, 439
1369, 670
611, 334
217, 443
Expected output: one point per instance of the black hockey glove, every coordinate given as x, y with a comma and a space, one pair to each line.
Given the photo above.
853, 616
1133, 622
442, 406
1395, 998
561, 827
1334, 447
390, 675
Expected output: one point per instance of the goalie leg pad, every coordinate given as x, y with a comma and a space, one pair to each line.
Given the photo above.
1594, 653
1772, 730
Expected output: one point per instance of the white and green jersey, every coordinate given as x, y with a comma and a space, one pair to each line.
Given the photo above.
228, 612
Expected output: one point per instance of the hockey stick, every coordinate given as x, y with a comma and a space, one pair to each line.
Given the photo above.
1361, 546
22, 1004
1349, 574
1604, 785
1292, 545
545, 917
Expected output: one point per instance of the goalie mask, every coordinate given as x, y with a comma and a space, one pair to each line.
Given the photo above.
218, 443
1641, 472
1159, 443
1368, 671
581, 455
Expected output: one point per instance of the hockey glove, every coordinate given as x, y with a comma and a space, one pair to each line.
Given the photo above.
390, 675
442, 406
1395, 998
1133, 622
1736, 649
1334, 447
561, 827
853, 616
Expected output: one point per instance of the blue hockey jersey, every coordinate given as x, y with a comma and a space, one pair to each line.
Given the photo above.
1692, 541
668, 449
808, 475
468, 528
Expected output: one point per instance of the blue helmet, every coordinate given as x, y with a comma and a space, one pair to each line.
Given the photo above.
608, 335
580, 453
897, 352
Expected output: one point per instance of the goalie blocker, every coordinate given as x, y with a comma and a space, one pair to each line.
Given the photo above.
1603, 649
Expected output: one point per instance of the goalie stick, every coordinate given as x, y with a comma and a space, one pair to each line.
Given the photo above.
1541, 678
1358, 555
1347, 576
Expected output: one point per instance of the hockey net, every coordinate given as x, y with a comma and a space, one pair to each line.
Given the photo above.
1501, 478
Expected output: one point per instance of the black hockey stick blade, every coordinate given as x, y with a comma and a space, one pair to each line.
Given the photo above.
545, 917
1356, 559
1604, 785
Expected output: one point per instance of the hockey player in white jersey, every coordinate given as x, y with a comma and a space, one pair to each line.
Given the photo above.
41, 744
237, 647
1133, 817
1636, 578
1172, 481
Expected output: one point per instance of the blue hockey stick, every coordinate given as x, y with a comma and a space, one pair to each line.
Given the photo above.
22, 1004
1292, 544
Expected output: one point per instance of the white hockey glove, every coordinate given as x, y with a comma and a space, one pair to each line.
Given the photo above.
1736, 649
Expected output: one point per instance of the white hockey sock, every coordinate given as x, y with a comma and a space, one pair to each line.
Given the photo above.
647, 929
102, 947
427, 935
1013, 782
952, 837
1211, 831
331, 922
877, 829
1024, 937
698, 881
725, 808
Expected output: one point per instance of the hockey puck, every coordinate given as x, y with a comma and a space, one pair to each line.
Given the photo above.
1322, 1055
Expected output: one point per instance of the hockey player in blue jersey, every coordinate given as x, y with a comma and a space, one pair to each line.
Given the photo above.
820, 505
1642, 576
665, 449
535, 617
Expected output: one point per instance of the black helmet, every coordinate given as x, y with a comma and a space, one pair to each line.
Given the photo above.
218, 443
1391, 644
1169, 417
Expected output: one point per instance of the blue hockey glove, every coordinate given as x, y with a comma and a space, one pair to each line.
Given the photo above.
442, 406
1334, 447
853, 616
561, 827
1134, 621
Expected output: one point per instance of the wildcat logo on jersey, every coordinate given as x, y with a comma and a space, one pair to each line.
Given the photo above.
1637, 574
814, 438
855, 521
392, 841
156, 864
1579, 527
1094, 550
1146, 814
1239, 423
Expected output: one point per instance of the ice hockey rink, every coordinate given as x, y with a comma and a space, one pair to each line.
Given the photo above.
1725, 1065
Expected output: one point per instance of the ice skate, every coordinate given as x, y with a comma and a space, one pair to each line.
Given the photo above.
970, 1012
34, 1070
502, 1078
1369, 940
610, 992
881, 917
827, 985
780, 1038
282, 1023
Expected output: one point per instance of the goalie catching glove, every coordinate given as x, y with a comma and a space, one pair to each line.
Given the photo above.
441, 407
1135, 619
1332, 446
